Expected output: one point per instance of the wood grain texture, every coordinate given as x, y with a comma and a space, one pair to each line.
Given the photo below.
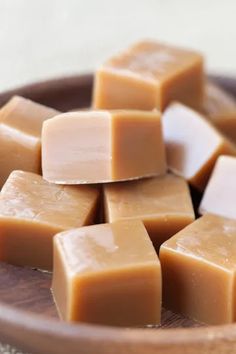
29, 289
28, 317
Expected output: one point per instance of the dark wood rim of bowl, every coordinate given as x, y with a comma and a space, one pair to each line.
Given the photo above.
45, 335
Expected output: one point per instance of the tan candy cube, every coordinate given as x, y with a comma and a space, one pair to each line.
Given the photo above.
198, 266
102, 146
107, 274
20, 135
32, 211
162, 203
149, 75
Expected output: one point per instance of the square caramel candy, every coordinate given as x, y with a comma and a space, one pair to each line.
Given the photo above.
20, 135
107, 274
102, 146
192, 144
220, 108
198, 267
32, 211
163, 204
220, 193
149, 75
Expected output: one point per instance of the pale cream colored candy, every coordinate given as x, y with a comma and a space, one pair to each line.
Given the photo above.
32, 211
20, 135
162, 203
193, 145
220, 193
198, 267
149, 75
102, 146
107, 274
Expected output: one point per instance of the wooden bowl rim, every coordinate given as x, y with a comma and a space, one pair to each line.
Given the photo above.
20, 319
35, 323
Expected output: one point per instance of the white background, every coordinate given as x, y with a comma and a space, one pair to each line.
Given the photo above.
48, 38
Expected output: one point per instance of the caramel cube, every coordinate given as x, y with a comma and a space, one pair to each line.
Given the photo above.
20, 135
32, 211
220, 108
149, 75
107, 274
220, 193
198, 267
162, 203
102, 146
193, 144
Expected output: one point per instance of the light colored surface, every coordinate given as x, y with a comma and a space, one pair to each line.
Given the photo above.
192, 144
7, 349
220, 193
40, 39
94, 146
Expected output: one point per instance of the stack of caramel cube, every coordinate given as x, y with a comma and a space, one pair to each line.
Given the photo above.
102, 197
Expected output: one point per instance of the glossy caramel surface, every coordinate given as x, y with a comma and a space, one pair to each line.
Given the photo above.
210, 239
27, 196
163, 195
198, 267
108, 274
25, 115
106, 247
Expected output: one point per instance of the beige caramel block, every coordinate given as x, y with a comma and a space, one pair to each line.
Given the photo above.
193, 145
107, 274
220, 193
198, 266
20, 135
163, 204
102, 146
32, 211
149, 75
220, 108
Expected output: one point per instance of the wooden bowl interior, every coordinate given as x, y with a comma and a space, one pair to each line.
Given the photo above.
29, 290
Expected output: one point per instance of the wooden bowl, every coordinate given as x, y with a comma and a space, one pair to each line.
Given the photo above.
28, 317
